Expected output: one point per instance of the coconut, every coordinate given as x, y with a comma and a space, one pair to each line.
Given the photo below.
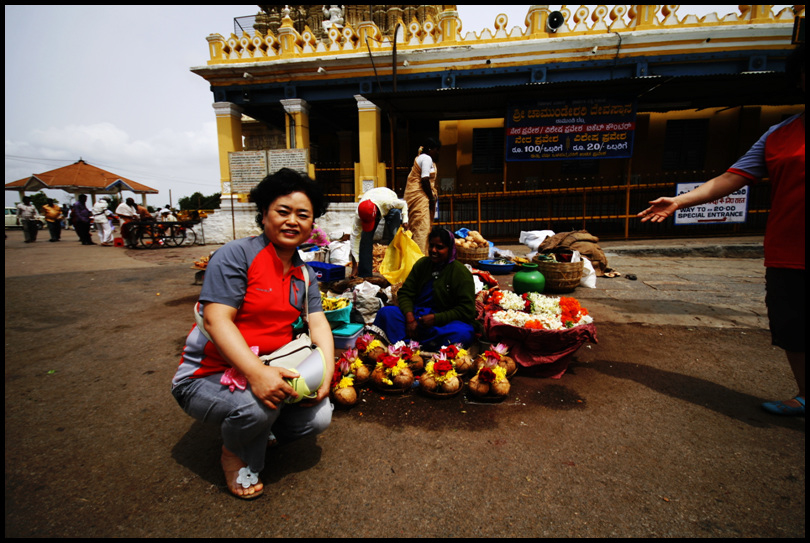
377, 376
500, 388
374, 354
479, 361
428, 383
416, 363
404, 379
507, 363
478, 387
362, 373
463, 363
451, 385
345, 396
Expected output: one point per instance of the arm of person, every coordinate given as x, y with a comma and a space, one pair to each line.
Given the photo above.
711, 190
321, 334
428, 189
266, 382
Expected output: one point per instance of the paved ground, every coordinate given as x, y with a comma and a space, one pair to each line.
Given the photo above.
655, 430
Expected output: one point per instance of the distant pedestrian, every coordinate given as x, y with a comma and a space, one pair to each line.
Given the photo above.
101, 218
779, 156
81, 220
27, 218
53, 218
128, 213
421, 194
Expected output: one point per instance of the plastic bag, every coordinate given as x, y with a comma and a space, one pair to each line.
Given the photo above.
588, 274
340, 252
534, 238
366, 301
401, 255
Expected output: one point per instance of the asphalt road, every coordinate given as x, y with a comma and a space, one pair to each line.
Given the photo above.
655, 430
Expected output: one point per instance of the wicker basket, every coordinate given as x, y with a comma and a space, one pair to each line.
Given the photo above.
560, 276
472, 256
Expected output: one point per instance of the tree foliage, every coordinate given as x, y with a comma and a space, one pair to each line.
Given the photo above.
199, 201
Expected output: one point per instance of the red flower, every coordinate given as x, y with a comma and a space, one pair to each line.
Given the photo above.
440, 367
361, 344
389, 361
450, 350
492, 354
486, 375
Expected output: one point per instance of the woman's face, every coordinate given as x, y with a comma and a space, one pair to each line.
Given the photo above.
288, 220
438, 251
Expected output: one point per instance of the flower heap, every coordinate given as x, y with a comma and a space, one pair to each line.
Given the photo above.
370, 348
410, 353
392, 372
490, 380
540, 312
440, 376
461, 359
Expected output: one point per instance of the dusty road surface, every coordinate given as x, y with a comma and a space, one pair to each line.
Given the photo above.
656, 430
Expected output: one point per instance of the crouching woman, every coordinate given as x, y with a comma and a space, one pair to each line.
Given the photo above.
252, 294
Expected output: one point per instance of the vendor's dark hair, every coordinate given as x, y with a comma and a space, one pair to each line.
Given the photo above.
428, 144
283, 182
443, 234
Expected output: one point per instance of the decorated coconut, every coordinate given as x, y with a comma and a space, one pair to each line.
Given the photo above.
392, 374
350, 364
459, 357
370, 348
490, 380
498, 353
410, 353
342, 390
440, 377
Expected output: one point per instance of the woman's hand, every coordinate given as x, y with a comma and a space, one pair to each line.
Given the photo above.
659, 210
428, 320
266, 382
268, 385
410, 325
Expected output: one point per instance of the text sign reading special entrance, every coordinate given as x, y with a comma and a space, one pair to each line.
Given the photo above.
570, 130
728, 209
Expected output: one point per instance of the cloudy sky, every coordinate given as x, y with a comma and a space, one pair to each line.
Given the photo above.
111, 85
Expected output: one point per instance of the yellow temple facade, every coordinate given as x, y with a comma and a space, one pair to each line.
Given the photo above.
357, 87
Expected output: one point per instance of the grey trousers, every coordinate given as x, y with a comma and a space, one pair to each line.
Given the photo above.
245, 422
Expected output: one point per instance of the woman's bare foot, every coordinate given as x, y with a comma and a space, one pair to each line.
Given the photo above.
232, 465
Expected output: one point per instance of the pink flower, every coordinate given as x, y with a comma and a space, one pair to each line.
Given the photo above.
233, 379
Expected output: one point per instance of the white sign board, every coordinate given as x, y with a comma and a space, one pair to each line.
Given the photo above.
729, 209
248, 168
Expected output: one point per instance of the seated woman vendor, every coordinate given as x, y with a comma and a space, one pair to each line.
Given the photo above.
436, 301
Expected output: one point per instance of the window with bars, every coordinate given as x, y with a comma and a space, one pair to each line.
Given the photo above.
685, 144
487, 152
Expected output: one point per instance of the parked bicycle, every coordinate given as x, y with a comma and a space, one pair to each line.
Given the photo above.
154, 235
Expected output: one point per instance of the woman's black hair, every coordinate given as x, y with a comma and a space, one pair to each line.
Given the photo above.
443, 234
284, 182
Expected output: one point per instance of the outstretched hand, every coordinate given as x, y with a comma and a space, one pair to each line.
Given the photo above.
659, 210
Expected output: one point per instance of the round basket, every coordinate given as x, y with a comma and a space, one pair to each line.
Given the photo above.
471, 256
560, 276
